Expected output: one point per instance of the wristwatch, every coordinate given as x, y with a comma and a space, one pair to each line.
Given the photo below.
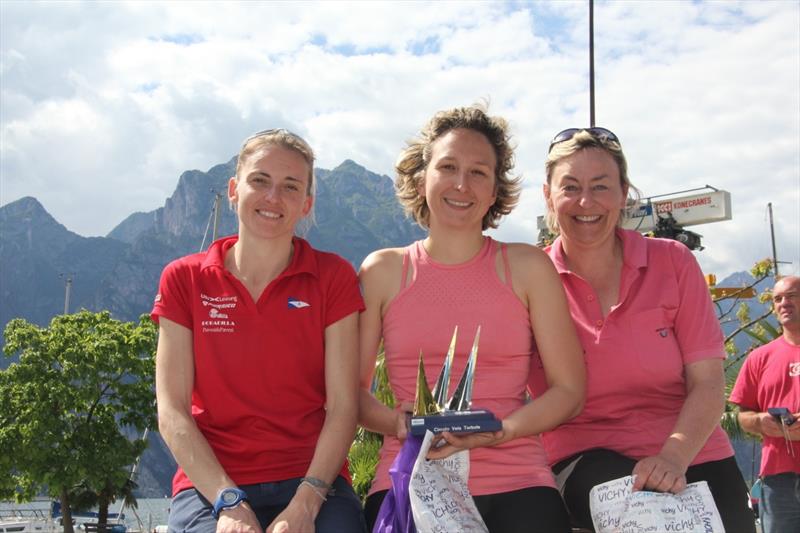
228, 499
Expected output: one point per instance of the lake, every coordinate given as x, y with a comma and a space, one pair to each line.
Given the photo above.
150, 513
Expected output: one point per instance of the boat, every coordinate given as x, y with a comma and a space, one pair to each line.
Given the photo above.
46, 518
26, 525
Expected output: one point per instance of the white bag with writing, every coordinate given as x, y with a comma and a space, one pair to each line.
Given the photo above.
616, 509
440, 499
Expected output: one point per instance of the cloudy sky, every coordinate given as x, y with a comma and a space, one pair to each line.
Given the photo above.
104, 104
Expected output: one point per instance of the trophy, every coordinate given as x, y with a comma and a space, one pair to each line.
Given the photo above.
433, 413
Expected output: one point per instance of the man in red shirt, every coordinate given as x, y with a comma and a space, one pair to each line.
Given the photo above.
770, 379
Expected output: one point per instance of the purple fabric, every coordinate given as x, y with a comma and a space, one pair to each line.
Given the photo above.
395, 513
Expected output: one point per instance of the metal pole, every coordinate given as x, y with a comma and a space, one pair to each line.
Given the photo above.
67, 287
772, 235
591, 63
217, 197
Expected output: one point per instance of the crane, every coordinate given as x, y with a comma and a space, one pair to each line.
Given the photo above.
667, 215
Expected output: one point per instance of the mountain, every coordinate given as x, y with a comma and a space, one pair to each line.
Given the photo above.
355, 210
37, 255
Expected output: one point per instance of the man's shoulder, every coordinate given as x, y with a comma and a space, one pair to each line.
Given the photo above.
765, 351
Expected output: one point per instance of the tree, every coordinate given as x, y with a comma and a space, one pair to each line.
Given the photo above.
365, 450
733, 310
81, 386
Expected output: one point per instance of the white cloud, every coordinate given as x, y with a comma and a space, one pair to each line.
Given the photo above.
105, 104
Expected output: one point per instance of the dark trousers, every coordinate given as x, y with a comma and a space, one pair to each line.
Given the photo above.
530, 510
599, 466
191, 513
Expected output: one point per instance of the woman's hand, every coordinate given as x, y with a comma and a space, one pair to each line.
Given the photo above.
446, 444
240, 519
659, 473
299, 515
402, 415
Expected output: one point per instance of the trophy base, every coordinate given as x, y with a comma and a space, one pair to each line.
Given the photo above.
478, 421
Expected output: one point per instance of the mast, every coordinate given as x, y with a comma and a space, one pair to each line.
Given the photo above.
217, 197
213, 218
772, 236
591, 63
67, 290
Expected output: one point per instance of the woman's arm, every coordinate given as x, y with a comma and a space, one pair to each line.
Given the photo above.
380, 280
559, 348
174, 383
700, 414
701, 346
536, 281
341, 405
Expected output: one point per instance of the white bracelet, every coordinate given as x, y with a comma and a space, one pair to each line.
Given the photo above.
315, 489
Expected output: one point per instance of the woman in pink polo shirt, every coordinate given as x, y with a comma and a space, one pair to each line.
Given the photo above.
653, 345
454, 179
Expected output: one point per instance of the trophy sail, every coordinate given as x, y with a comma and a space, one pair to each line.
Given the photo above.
428, 413
462, 397
424, 404
443, 382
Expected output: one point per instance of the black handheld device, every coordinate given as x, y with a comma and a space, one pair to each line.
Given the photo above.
782, 414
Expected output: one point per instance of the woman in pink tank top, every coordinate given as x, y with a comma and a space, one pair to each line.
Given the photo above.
454, 180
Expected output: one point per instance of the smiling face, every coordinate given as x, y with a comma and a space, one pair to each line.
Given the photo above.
459, 182
786, 302
586, 195
271, 192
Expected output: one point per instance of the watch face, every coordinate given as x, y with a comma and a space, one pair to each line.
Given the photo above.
229, 497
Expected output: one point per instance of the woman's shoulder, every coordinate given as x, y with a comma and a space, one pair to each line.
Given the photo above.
530, 266
381, 273
384, 259
665, 251
187, 263
525, 253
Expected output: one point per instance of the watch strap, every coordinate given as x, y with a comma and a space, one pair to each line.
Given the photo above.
229, 498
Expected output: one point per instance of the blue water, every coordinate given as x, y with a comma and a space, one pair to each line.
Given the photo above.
150, 513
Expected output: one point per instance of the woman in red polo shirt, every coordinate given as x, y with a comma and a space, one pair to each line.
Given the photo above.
256, 370
653, 345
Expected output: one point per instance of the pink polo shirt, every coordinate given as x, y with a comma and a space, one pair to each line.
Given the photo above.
635, 357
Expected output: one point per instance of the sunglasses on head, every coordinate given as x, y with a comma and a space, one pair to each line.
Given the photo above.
601, 134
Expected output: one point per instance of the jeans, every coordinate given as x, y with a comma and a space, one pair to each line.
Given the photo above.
191, 512
780, 503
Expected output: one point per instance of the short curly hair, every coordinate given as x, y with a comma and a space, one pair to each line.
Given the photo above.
414, 159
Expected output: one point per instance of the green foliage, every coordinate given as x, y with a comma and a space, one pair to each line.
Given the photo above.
364, 452
363, 460
760, 331
65, 406
762, 269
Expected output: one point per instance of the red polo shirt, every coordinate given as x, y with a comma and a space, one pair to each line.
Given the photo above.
635, 356
770, 377
259, 384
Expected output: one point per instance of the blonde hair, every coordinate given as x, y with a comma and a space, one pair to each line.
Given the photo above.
284, 139
414, 159
581, 141
291, 141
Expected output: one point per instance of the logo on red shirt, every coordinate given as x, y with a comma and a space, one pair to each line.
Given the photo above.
220, 306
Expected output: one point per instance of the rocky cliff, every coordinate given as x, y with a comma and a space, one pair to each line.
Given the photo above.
356, 213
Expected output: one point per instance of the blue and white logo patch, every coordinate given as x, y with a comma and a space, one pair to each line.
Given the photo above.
294, 303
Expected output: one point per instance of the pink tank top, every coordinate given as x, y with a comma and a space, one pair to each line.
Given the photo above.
423, 315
